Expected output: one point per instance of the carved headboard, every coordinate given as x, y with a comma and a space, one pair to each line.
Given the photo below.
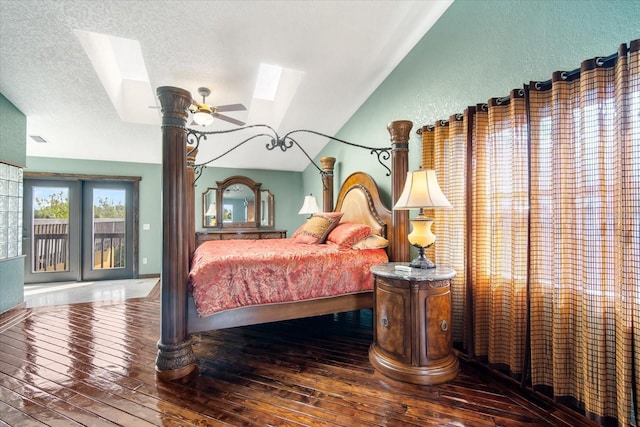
360, 202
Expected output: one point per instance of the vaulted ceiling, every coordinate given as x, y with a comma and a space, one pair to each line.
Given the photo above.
85, 72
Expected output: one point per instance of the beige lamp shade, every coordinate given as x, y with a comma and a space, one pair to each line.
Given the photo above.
309, 206
421, 190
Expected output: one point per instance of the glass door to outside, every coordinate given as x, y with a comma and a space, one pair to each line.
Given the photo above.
78, 230
108, 231
51, 230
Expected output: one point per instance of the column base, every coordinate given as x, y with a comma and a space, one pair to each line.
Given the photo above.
174, 361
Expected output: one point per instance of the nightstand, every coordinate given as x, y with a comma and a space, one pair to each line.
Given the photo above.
412, 324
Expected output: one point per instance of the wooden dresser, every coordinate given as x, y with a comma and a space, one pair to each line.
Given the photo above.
412, 324
239, 233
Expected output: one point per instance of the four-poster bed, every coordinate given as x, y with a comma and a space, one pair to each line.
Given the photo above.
358, 200
285, 260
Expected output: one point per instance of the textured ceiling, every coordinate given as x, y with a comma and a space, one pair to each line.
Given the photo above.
341, 49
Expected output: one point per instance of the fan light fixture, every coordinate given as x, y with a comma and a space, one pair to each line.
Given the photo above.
421, 190
203, 116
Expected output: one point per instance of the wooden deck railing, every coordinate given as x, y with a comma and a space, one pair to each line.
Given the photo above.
109, 250
51, 244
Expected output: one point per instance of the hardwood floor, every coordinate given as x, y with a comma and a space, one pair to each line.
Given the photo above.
93, 364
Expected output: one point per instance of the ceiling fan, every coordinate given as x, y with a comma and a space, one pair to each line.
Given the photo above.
203, 114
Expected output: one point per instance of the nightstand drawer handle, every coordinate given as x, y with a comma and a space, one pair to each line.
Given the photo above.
385, 321
444, 326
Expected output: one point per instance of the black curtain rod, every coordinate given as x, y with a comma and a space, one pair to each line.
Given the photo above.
600, 61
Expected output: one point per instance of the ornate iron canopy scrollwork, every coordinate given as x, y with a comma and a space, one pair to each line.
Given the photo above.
284, 143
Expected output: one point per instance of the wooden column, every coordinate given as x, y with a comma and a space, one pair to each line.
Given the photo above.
191, 153
175, 357
399, 131
327, 164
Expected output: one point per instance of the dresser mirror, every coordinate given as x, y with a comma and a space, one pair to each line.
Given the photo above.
266, 209
238, 202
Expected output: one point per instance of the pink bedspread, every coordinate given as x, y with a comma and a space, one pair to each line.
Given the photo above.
234, 273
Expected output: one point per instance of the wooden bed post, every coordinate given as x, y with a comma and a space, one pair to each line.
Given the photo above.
191, 152
327, 164
400, 131
175, 357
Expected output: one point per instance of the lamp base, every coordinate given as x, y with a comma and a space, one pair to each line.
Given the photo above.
421, 261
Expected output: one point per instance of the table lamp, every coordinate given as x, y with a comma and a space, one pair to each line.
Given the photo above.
421, 191
309, 206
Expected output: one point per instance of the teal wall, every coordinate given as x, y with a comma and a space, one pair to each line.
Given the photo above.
478, 50
13, 134
11, 283
13, 143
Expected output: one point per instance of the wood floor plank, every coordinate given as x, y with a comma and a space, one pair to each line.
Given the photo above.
285, 402
94, 364
117, 385
323, 387
16, 417
325, 375
58, 405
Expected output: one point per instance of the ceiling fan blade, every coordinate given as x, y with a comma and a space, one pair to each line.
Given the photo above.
231, 107
229, 119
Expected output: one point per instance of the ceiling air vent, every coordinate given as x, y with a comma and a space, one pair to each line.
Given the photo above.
38, 139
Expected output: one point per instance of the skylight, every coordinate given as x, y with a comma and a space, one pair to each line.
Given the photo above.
267, 83
120, 67
275, 88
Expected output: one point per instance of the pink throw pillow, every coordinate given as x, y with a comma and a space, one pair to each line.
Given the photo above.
347, 234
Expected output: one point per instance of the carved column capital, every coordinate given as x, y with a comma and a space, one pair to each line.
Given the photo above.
327, 164
400, 131
175, 104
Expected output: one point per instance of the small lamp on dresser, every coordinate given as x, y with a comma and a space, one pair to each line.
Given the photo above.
309, 206
211, 214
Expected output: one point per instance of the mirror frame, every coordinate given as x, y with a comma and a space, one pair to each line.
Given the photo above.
268, 220
206, 201
233, 180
